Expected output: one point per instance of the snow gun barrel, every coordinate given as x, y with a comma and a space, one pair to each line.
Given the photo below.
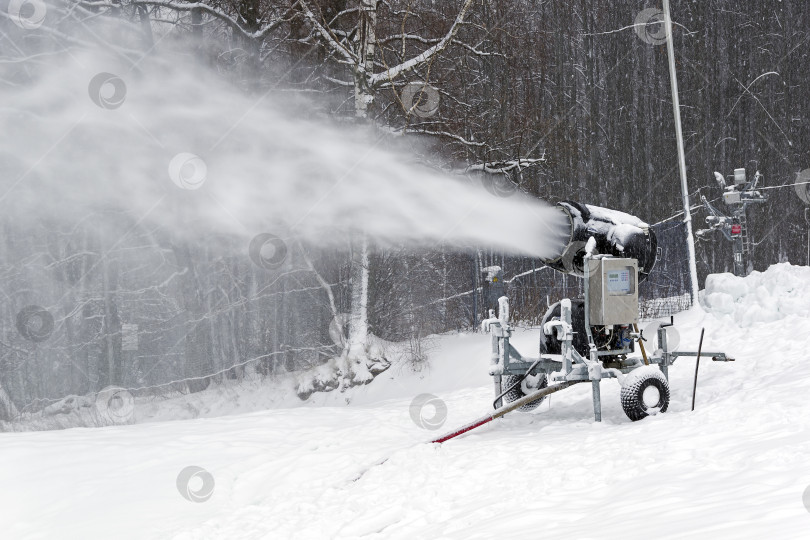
616, 233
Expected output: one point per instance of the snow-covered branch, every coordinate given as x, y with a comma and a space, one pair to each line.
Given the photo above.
427, 41
448, 135
190, 6
501, 167
329, 37
420, 59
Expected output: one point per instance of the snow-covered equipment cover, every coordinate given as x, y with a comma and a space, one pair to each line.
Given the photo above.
616, 233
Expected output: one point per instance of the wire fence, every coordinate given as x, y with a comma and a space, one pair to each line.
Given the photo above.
667, 290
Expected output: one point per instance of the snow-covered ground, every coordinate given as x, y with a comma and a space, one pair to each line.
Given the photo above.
737, 467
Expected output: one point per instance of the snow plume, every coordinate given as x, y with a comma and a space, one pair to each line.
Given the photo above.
173, 144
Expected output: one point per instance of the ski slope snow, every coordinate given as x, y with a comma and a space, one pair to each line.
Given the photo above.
736, 467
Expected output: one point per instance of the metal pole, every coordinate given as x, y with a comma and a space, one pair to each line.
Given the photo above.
497, 378
807, 219
597, 401
664, 346
739, 250
697, 366
676, 106
475, 294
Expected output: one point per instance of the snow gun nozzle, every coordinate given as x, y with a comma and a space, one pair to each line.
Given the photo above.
615, 233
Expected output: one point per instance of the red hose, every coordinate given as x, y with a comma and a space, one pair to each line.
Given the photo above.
503, 410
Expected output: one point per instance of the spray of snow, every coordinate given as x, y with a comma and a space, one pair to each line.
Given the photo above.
172, 144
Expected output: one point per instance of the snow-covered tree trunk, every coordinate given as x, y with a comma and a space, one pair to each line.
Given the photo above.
356, 352
367, 42
360, 359
7, 408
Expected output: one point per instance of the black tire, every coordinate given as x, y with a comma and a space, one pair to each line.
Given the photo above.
518, 392
644, 380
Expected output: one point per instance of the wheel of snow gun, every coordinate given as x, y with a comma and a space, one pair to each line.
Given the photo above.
530, 384
645, 391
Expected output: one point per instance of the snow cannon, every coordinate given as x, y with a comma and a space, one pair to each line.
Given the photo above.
588, 339
615, 233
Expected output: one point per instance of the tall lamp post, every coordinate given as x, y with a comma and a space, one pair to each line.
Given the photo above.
676, 106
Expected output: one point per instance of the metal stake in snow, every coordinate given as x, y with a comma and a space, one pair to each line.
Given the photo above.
697, 367
687, 215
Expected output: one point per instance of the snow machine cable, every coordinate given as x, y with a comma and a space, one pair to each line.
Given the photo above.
516, 383
783, 186
698, 206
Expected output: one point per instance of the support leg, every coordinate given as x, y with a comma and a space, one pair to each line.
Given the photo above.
664, 346
495, 360
597, 401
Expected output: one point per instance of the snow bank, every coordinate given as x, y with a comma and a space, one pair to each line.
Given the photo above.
780, 291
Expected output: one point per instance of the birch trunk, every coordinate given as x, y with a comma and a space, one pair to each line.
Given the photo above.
356, 353
357, 344
367, 38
